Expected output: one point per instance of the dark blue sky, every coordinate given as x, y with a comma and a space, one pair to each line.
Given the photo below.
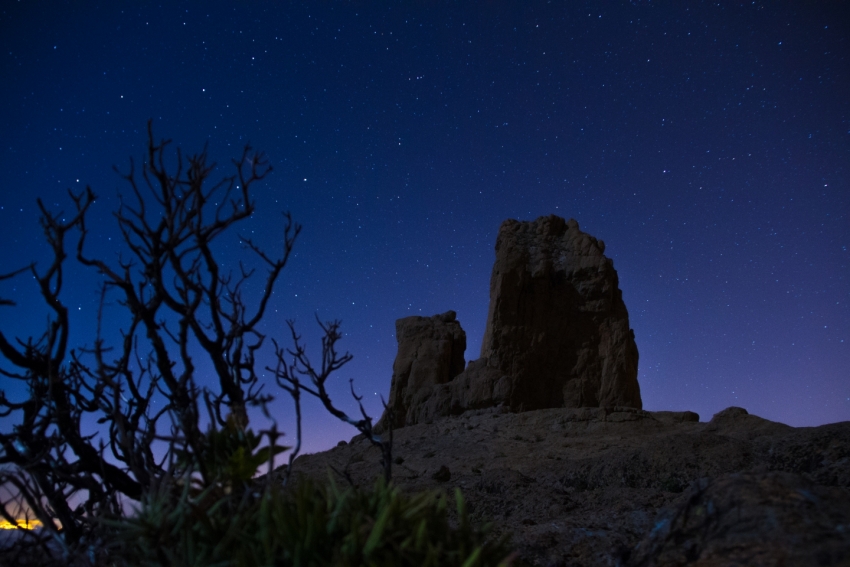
706, 144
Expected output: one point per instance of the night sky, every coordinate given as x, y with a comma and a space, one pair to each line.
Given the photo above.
706, 144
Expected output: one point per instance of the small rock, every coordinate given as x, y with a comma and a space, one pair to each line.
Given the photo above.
442, 475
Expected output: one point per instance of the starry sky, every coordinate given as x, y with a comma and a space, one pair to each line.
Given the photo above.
707, 144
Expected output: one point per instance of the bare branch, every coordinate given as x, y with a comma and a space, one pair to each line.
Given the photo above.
332, 361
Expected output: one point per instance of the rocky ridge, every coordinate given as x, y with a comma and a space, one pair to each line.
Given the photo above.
621, 486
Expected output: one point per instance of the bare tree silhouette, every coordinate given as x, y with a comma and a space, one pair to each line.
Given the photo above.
180, 306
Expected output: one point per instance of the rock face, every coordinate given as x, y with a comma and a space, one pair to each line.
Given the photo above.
557, 325
430, 352
557, 334
761, 518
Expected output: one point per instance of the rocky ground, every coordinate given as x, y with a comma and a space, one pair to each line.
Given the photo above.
594, 486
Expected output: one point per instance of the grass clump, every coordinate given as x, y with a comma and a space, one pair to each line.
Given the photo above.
308, 524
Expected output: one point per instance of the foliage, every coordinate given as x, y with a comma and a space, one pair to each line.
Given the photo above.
304, 525
231, 455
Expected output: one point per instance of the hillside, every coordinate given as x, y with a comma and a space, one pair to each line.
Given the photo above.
622, 486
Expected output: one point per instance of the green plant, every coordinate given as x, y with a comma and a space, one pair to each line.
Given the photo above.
306, 524
231, 455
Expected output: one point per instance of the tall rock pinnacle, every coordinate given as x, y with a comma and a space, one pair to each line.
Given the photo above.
557, 324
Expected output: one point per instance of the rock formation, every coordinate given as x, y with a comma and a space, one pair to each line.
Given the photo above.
545, 434
557, 324
430, 352
557, 334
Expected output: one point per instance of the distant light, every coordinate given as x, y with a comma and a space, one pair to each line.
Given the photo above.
24, 524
